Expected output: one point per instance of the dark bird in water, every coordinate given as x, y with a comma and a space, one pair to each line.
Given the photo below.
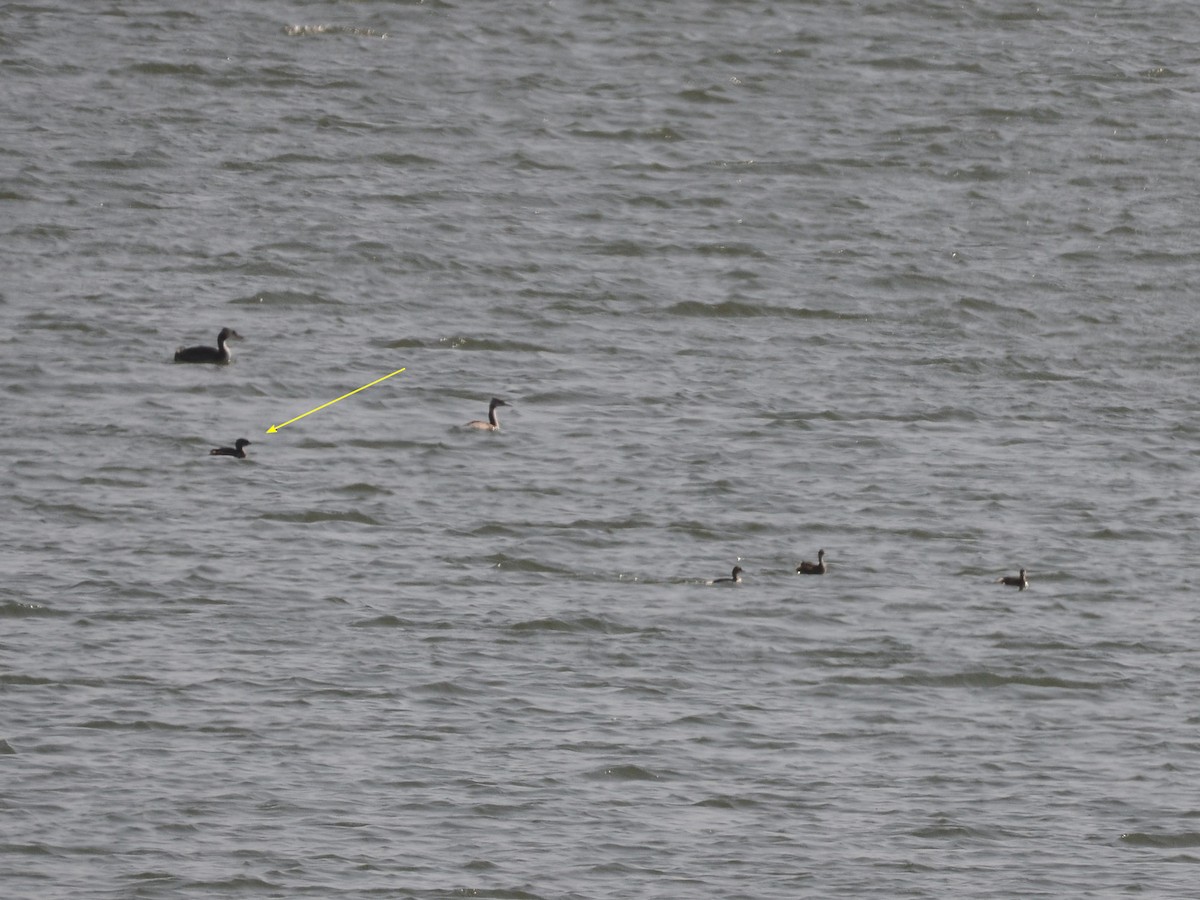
1020, 582
237, 450
219, 354
813, 568
493, 422
735, 578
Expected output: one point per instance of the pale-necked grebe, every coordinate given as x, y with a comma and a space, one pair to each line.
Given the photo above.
236, 450
219, 354
493, 423
813, 568
1020, 582
735, 579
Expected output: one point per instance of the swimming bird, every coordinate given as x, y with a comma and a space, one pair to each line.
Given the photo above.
493, 422
236, 450
813, 568
1020, 582
735, 579
219, 354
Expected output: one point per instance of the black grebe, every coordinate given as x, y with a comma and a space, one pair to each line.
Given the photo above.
736, 579
493, 423
813, 568
236, 450
219, 354
1020, 582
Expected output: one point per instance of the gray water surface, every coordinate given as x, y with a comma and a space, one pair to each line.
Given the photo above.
912, 282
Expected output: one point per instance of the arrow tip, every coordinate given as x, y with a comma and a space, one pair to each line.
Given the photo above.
272, 430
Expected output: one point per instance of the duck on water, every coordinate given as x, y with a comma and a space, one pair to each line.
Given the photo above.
218, 355
238, 449
493, 422
813, 568
1020, 582
735, 578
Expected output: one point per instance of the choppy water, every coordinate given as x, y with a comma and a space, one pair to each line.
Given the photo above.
909, 281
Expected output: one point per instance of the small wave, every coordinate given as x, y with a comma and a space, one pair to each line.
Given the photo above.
69, 512
362, 489
15, 609
135, 725
492, 529
518, 564
624, 248
161, 67
634, 521
245, 885
403, 160
285, 298
51, 322
734, 309
323, 29
526, 163
730, 249
724, 801
442, 689
1112, 534
384, 621
1167, 841
663, 133
581, 625
979, 304
628, 772
984, 679
1041, 375
375, 444
499, 810
467, 343
949, 832
1162, 72
480, 865
704, 95
98, 481
24, 680
312, 517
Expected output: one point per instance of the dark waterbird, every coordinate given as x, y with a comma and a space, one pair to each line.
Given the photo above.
1020, 582
813, 568
735, 578
493, 422
219, 354
237, 450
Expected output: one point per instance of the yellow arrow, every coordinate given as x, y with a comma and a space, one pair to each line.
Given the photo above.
275, 428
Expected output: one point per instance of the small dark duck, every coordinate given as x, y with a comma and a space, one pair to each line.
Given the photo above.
238, 449
813, 568
1020, 582
735, 578
218, 355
